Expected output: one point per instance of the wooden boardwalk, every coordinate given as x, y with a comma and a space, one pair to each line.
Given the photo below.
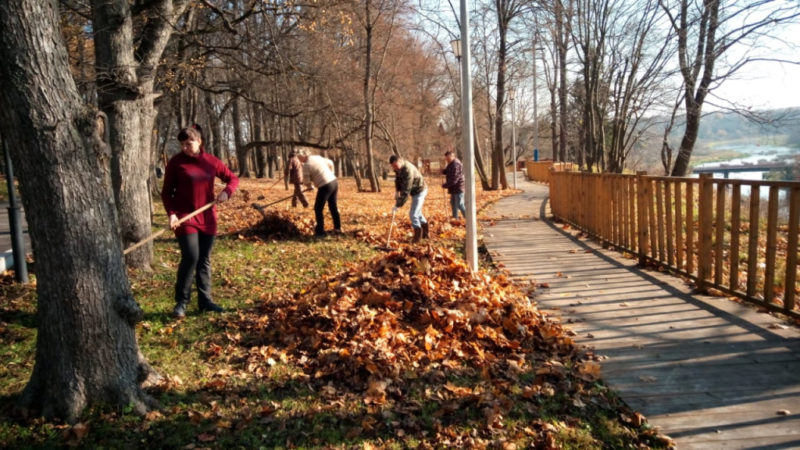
709, 372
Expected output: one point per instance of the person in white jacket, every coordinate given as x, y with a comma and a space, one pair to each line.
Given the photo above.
318, 170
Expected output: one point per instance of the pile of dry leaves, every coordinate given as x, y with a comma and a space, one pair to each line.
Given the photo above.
417, 312
277, 224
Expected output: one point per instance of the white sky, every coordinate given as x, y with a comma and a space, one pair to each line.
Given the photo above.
764, 86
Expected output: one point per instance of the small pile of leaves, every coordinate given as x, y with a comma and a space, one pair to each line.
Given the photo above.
276, 224
407, 313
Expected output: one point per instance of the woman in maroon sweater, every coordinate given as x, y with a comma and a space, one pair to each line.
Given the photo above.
189, 185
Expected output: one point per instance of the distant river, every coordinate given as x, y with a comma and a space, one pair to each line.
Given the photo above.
757, 153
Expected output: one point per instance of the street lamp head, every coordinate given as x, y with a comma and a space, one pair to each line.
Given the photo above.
456, 44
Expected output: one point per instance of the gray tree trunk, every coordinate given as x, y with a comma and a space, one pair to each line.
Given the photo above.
125, 77
86, 351
561, 36
479, 159
369, 103
241, 151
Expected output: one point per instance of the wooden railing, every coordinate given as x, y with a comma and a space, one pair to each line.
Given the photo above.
738, 237
540, 170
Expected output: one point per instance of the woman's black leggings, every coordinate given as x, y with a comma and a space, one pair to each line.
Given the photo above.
327, 194
195, 260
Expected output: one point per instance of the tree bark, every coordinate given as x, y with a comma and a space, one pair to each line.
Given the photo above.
479, 159
369, 125
561, 36
241, 151
86, 351
125, 79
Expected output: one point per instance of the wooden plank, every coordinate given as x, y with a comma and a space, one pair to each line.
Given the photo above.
752, 242
626, 211
651, 218
596, 199
705, 206
772, 234
641, 223
660, 220
614, 209
607, 211
690, 227
678, 227
669, 223
583, 213
736, 223
621, 214
632, 229
719, 232
791, 258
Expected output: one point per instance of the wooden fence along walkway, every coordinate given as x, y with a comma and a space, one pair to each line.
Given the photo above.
709, 372
736, 237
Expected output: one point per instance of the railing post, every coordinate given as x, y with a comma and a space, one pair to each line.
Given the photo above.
705, 223
791, 245
641, 216
606, 210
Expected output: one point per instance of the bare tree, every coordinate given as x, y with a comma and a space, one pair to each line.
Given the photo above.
707, 31
506, 11
563, 16
370, 73
623, 55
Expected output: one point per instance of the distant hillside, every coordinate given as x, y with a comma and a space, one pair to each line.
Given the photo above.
721, 134
725, 126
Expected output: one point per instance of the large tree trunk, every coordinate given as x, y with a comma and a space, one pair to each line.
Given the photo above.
553, 122
120, 97
681, 167
241, 150
126, 75
260, 152
369, 125
561, 44
479, 159
86, 351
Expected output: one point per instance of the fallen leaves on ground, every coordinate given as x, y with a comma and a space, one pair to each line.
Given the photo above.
415, 309
414, 332
365, 215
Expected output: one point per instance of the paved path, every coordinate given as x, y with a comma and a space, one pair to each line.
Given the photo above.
709, 372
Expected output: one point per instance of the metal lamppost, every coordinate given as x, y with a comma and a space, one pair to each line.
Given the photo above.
15, 223
511, 95
471, 242
535, 113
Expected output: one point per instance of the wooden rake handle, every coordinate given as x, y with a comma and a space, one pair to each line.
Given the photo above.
391, 226
161, 231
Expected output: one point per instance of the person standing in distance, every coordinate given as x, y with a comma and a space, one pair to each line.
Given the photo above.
189, 185
454, 183
408, 181
318, 170
295, 171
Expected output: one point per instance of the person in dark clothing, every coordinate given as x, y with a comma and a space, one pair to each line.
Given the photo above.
189, 185
295, 170
454, 183
409, 182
